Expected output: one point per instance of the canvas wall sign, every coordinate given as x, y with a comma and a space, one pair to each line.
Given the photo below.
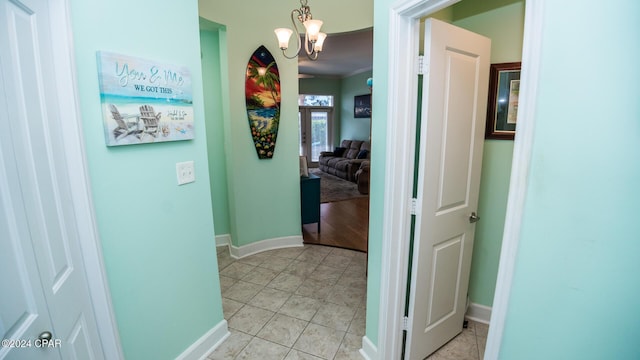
144, 101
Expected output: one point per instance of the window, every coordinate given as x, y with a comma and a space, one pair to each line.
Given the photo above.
315, 100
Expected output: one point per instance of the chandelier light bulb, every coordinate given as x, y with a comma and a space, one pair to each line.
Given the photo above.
313, 38
313, 29
318, 45
283, 35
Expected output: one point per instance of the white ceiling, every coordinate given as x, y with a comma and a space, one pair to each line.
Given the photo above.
343, 55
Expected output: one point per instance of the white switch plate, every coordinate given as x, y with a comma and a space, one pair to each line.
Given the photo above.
186, 172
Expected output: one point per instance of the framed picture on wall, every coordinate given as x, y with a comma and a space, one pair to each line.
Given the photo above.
502, 106
144, 101
362, 106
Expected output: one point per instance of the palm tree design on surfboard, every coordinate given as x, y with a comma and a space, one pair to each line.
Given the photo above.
262, 93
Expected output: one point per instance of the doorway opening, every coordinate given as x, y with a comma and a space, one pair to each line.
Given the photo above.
328, 123
402, 99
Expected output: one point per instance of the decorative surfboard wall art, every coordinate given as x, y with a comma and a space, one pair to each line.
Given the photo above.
262, 93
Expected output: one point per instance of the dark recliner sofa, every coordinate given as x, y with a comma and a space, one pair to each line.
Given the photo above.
346, 159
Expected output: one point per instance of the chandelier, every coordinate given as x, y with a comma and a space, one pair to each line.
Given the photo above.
313, 38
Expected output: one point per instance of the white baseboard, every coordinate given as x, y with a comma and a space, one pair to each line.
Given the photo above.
479, 313
264, 245
207, 343
368, 351
223, 240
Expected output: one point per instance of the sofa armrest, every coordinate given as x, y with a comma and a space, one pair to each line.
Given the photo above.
354, 165
358, 162
327, 153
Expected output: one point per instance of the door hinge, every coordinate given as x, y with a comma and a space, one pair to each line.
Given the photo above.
414, 206
405, 323
421, 65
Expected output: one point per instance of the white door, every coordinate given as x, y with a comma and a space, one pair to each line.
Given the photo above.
44, 290
452, 135
315, 132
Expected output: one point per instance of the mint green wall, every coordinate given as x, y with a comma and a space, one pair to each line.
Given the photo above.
492, 205
504, 25
350, 127
445, 14
322, 86
257, 187
378, 137
575, 287
326, 86
213, 111
157, 237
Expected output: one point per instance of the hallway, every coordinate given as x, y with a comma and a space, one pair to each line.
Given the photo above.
307, 303
345, 224
294, 303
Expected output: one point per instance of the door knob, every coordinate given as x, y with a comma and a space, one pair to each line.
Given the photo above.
45, 335
474, 217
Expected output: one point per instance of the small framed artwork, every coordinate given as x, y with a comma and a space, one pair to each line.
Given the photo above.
362, 106
502, 107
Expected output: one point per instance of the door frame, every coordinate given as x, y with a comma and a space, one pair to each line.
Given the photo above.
401, 104
75, 157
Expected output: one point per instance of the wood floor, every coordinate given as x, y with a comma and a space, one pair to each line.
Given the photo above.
343, 224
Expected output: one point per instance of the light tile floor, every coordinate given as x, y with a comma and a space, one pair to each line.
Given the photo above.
469, 345
306, 303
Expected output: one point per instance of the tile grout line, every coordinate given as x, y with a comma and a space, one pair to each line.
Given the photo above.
324, 301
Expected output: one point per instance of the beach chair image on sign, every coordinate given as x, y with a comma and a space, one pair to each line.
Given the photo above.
125, 125
151, 121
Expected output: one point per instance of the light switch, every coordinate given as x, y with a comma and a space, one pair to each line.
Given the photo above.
186, 172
